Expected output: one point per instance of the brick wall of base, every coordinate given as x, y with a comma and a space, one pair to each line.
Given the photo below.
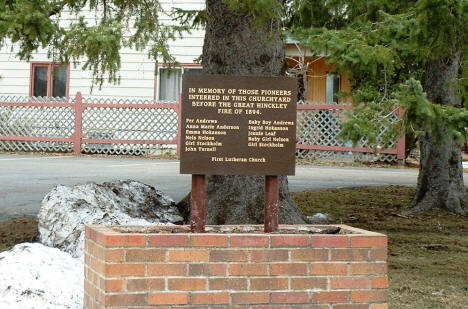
235, 270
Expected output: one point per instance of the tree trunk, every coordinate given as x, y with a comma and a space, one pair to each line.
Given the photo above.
236, 45
440, 180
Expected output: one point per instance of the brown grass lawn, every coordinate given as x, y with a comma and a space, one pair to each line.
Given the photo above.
428, 252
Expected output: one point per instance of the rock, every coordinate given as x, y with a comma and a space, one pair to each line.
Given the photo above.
65, 211
415, 154
413, 158
34, 276
319, 218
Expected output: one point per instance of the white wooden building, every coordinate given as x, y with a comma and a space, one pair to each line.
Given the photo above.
138, 78
141, 77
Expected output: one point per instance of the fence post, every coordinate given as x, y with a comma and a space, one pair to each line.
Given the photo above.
198, 204
271, 204
78, 124
401, 142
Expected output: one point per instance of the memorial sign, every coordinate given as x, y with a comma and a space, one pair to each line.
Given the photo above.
238, 125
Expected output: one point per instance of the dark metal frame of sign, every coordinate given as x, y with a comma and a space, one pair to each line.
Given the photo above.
237, 125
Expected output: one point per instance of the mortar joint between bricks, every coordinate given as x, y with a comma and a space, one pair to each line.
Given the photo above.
126, 292
101, 277
125, 286
97, 244
166, 255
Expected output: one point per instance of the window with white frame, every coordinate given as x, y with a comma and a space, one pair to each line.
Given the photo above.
333, 88
170, 81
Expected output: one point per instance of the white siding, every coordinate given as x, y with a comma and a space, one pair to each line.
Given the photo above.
137, 71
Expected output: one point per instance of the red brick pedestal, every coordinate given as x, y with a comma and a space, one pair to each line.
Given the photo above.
235, 270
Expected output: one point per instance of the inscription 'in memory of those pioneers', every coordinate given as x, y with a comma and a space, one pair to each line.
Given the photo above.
238, 125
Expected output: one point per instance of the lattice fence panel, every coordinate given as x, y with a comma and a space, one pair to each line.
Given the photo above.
37, 121
344, 156
128, 124
116, 100
315, 127
126, 149
25, 146
321, 127
38, 100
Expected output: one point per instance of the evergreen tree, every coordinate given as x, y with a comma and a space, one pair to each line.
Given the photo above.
398, 54
401, 54
242, 38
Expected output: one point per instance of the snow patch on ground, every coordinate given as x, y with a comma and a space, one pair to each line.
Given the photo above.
33, 276
319, 218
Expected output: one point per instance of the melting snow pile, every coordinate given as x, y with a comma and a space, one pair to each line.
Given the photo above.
65, 211
33, 276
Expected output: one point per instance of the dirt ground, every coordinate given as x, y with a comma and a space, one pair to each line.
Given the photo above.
16, 231
428, 252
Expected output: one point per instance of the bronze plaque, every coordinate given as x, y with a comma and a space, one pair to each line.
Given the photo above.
238, 125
